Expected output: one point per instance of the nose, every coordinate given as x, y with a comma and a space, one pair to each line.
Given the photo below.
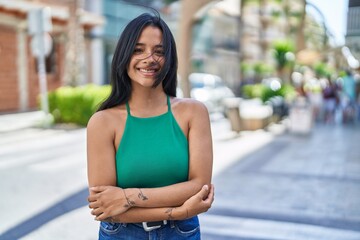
148, 57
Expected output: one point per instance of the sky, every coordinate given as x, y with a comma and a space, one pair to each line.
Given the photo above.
335, 14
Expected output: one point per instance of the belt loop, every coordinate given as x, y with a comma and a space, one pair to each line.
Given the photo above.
172, 224
149, 226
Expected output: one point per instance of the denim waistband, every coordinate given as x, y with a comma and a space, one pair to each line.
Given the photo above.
170, 223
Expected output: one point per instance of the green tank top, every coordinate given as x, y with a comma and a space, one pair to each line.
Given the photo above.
153, 152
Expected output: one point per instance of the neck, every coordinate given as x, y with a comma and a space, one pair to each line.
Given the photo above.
147, 98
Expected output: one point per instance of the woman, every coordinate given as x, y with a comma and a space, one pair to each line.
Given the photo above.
149, 153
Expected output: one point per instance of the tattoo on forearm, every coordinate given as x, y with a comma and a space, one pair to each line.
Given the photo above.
169, 213
142, 196
130, 203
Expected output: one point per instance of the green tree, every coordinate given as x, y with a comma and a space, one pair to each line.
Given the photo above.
322, 70
283, 53
261, 70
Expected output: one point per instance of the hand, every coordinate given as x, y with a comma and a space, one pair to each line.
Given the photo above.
200, 202
107, 201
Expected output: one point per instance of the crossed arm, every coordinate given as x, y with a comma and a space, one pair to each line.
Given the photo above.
196, 204
178, 201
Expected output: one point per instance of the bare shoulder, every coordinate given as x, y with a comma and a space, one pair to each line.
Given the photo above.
190, 107
98, 119
107, 119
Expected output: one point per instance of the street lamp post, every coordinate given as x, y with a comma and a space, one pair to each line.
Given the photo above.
39, 24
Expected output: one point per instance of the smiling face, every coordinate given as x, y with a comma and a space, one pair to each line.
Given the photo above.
147, 58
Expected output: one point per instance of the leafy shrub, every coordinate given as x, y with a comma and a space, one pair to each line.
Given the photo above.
283, 53
253, 90
265, 93
323, 70
76, 104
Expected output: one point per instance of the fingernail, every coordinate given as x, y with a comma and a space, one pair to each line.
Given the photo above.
206, 187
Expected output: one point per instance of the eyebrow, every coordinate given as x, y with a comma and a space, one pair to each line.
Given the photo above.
143, 44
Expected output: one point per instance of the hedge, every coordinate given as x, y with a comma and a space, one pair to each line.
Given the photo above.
76, 104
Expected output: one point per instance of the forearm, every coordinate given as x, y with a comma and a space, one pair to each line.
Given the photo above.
111, 201
198, 203
173, 195
195, 205
135, 215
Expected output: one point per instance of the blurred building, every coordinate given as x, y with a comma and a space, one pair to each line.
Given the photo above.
264, 22
117, 14
215, 44
352, 37
19, 85
84, 37
229, 32
225, 33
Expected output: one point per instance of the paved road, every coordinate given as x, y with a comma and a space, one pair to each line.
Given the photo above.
43, 176
296, 187
268, 186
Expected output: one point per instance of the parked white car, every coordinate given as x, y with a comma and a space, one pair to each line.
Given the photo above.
209, 89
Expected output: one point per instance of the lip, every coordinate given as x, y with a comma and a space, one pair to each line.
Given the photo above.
148, 71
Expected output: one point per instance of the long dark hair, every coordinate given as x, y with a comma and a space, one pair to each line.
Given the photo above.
120, 81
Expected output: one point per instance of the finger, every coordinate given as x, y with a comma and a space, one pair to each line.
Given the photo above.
210, 196
203, 192
212, 189
96, 212
101, 217
94, 205
93, 197
98, 189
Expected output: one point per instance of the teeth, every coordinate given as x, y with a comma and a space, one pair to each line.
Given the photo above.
147, 70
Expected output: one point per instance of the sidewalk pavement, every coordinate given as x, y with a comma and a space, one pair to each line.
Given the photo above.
18, 121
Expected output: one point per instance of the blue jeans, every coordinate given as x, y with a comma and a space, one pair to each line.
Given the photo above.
173, 230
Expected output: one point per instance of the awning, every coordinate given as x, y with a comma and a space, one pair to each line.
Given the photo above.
58, 13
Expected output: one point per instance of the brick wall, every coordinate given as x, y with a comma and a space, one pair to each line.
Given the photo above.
9, 92
53, 78
9, 86
8, 70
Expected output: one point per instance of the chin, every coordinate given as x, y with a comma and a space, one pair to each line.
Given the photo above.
147, 83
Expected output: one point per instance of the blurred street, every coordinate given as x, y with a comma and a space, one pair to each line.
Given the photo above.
295, 187
269, 184
285, 73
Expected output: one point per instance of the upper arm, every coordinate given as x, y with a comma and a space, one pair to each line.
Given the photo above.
200, 145
100, 151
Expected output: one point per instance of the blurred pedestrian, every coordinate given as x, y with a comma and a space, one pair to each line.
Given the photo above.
357, 94
330, 101
348, 97
313, 90
149, 153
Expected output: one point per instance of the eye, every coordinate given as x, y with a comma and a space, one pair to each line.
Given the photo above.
159, 52
138, 51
